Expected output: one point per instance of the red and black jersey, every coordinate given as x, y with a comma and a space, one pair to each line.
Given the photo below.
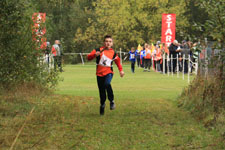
105, 60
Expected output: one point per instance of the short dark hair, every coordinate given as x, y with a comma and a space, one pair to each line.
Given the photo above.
107, 36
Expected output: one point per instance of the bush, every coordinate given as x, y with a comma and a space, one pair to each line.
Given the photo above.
204, 98
19, 59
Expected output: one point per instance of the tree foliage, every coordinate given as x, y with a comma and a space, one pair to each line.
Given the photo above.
19, 58
63, 19
129, 21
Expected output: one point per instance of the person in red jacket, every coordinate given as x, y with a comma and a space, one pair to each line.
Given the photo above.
105, 56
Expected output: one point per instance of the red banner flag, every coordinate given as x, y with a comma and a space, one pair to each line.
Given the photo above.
39, 29
168, 28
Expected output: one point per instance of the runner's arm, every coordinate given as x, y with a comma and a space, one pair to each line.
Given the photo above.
117, 61
91, 55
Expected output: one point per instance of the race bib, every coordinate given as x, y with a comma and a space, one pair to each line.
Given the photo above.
132, 56
105, 61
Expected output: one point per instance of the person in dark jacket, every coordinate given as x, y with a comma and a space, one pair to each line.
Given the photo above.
138, 57
185, 54
174, 49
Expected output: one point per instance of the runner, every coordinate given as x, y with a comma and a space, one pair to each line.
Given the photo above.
105, 56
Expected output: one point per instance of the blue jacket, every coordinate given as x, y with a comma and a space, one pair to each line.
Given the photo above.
137, 54
132, 55
142, 53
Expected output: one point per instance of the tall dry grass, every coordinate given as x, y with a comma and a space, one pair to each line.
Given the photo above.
205, 99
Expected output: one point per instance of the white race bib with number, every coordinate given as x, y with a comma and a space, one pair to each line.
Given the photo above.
105, 61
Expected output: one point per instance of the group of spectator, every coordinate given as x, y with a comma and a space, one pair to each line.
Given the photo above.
152, 56
56, 52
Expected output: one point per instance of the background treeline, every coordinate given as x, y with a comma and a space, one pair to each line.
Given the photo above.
81, 24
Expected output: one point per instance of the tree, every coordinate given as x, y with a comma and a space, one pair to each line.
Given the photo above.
196, 15
64, 17
19, 61
130, 22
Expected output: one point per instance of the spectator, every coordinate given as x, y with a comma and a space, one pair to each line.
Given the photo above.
174, 49
194, 53
147, 58
154, 57
47, 53
142, 55
57, 55
158, 58
138, 56
185, 52
164, 51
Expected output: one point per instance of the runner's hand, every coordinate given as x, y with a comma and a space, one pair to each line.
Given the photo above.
97, 54
121, 74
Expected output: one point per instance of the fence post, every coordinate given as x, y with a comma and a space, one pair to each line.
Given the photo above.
164, 63
171, 65
82, 58
168, 68
183, 66
189, 64
121, 60
177, 66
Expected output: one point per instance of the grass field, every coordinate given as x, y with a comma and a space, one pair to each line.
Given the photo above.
146, 116
81, 81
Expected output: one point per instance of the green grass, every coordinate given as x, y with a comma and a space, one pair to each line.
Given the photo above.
146, 116
81, 81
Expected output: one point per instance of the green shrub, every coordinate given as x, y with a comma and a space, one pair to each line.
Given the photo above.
19, 58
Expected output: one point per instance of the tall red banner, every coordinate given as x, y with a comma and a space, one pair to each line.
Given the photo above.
39, 29
168, 28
